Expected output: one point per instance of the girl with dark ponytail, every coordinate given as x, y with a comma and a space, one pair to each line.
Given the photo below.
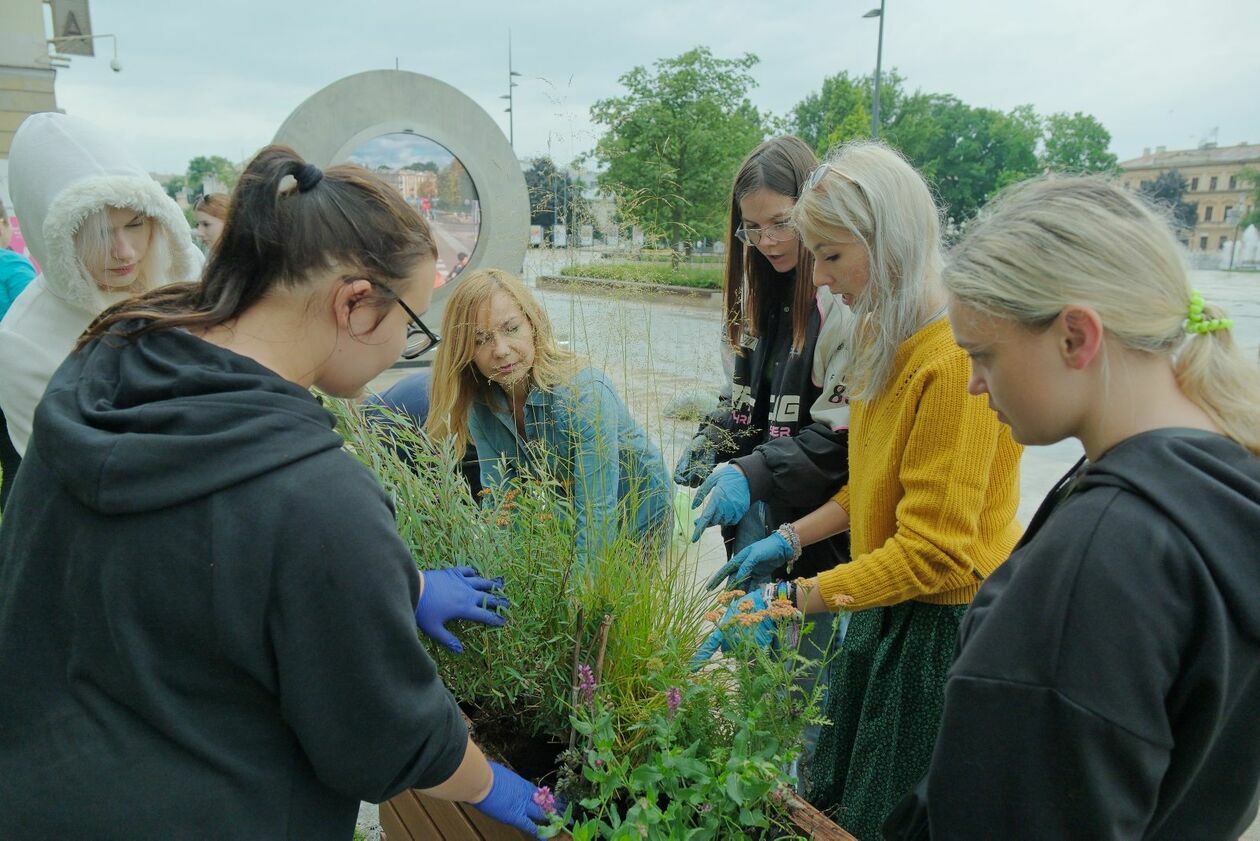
204, 595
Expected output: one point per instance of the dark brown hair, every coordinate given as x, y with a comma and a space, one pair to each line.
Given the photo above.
277, 235
780, 165
213, 204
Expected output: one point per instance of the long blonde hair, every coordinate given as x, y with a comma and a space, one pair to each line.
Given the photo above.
870, 191
456, 380
1051, 242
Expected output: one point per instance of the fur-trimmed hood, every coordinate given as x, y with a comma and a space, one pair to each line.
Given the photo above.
62, 169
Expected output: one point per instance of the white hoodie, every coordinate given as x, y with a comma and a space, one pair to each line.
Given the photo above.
61, 169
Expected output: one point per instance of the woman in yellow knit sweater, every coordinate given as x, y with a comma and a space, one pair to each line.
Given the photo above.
934, 483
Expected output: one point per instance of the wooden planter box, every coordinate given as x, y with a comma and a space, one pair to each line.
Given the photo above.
411, 816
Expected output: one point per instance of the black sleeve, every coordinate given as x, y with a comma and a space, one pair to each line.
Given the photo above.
807, 468
355, 684
1055, 712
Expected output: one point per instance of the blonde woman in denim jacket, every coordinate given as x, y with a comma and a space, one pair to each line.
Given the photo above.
501, 382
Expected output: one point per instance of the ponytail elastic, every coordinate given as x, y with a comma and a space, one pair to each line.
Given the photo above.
307, 177
1197, 324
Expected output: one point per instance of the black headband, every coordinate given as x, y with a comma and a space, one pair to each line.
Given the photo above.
307, 177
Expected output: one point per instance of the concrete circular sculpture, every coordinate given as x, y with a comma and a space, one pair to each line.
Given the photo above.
328, 127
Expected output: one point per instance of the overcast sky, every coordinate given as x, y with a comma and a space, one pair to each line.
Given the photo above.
220, 77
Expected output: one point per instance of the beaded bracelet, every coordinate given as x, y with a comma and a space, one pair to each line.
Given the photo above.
788, 532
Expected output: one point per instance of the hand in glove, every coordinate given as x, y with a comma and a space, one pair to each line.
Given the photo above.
511, 801
730, 630
457, 593
727, 503
753, 564
696, 462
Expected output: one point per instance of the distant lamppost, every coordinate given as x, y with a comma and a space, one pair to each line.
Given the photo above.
1238, 211
508, 95
879, 58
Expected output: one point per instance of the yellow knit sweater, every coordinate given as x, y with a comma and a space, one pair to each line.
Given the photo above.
934, 484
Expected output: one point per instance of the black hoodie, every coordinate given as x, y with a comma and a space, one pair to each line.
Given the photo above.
1108, 678
206, 613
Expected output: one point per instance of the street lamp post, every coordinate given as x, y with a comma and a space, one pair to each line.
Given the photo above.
508, 96
1238, 211
879, 59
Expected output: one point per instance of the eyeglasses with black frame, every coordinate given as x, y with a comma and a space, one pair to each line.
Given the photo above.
420, 339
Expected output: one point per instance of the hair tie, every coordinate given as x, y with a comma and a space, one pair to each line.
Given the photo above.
307, 177
1196, 324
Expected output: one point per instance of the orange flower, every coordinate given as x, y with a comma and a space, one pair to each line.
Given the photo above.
783, 611
841, 600
713, 616
744, 607
730, 596
502, 521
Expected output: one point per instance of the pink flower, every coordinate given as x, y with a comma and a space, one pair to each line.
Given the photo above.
673, 698
586, 684
545, 800
704, 807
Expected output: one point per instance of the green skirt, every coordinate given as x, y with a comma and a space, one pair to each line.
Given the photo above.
884, 701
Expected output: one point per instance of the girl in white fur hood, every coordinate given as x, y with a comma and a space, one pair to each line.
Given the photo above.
101, 229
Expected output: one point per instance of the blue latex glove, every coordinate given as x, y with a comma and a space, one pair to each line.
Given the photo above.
729, 631
696, 462
511, 801
728, 501
457, 593
753, 564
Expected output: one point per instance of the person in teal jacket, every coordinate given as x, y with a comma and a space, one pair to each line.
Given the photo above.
15, 270
502, 383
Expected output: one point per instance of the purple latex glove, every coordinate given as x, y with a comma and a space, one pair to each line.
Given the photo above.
511, 801
457, 593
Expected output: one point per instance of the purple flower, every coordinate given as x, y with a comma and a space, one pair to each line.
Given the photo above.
673, 698
586, 684
704, 807
545, 800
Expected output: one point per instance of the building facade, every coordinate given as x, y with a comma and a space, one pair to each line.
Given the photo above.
1212, 181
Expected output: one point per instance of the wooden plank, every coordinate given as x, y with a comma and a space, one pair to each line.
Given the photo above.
450, 819
402, 819
814, 823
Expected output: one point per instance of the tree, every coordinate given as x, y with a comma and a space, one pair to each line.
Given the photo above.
965, 153
1167, 190
450, 187
674, 140
1250, 175
840, 110
173, 185
201, 167
422, 166
555, 195
1077, 143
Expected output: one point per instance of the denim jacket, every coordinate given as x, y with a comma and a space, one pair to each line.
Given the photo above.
583, 436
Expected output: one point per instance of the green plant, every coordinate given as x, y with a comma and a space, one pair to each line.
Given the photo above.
698, 277
652, 743
521, 675
716, 759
